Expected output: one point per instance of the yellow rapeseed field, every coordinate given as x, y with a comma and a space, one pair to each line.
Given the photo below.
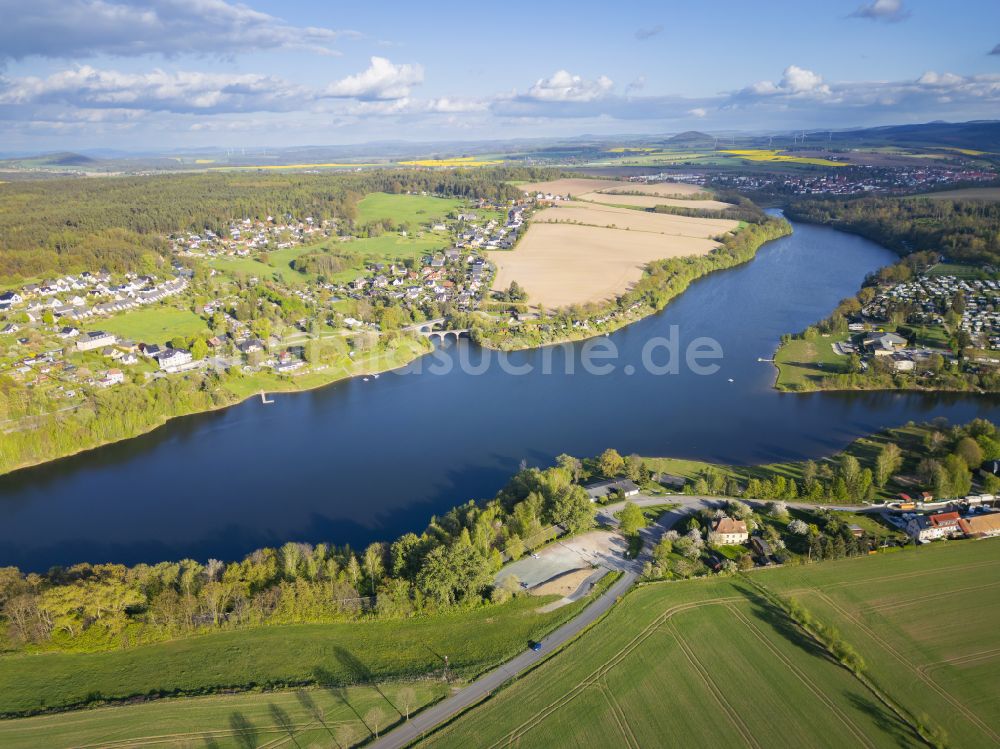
766, 154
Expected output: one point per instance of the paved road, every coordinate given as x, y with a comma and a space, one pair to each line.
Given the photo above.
481, 688
426, 721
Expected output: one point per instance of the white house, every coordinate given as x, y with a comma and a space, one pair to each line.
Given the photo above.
96, 339
728, 531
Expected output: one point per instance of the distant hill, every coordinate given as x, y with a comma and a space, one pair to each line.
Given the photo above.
691, 137
982, 135
60, 158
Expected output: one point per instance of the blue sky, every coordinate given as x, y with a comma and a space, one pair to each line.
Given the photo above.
154, 74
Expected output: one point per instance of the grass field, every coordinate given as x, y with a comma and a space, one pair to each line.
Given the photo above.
301, 717
155, 324
802, 363
714, 663
955, 269
383, 248
910, 439
341, 653
416, 209
967, 193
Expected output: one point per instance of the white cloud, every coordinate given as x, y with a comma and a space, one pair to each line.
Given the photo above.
84, 28
382, 80
565, 87
698, 112
157, 90
889, 11
795, 81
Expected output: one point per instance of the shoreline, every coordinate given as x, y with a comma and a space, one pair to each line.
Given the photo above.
163, 421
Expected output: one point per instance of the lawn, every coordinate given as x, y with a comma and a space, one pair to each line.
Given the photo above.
712, 662
909, 438
277, 656
413, 209
956, 269
803, 363
155, 324
302, 717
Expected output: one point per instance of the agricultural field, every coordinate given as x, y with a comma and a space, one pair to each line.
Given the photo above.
803, 363
578, 186
275, 656
314, 716
610, 216
968, 193
404, 209
714, 662
651, 201
770, 155
563, 264
577, 252
458, 161
155, 324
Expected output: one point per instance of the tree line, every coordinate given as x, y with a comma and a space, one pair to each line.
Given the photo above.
450, 565
964, 230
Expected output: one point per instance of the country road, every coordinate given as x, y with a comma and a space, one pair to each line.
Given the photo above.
426, 721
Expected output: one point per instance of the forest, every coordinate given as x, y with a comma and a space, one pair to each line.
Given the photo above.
962, 230
68, 225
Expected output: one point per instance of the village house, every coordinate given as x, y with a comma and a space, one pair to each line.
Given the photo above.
602, 489
96, 339
981, 526
174, 359
112, 377
932, 527
728, 531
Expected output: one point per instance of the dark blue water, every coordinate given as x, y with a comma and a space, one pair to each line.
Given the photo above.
360, 461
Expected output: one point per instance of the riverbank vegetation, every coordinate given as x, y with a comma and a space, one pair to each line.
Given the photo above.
944, 460
449, 567
38, 426
963, 230
945, 346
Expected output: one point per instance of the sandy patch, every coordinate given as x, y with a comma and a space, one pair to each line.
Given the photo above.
626, 218
564, 264
564, 584
651, 201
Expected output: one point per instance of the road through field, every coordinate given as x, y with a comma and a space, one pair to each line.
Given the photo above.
483, 687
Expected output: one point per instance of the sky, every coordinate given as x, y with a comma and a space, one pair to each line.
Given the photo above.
153, 75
